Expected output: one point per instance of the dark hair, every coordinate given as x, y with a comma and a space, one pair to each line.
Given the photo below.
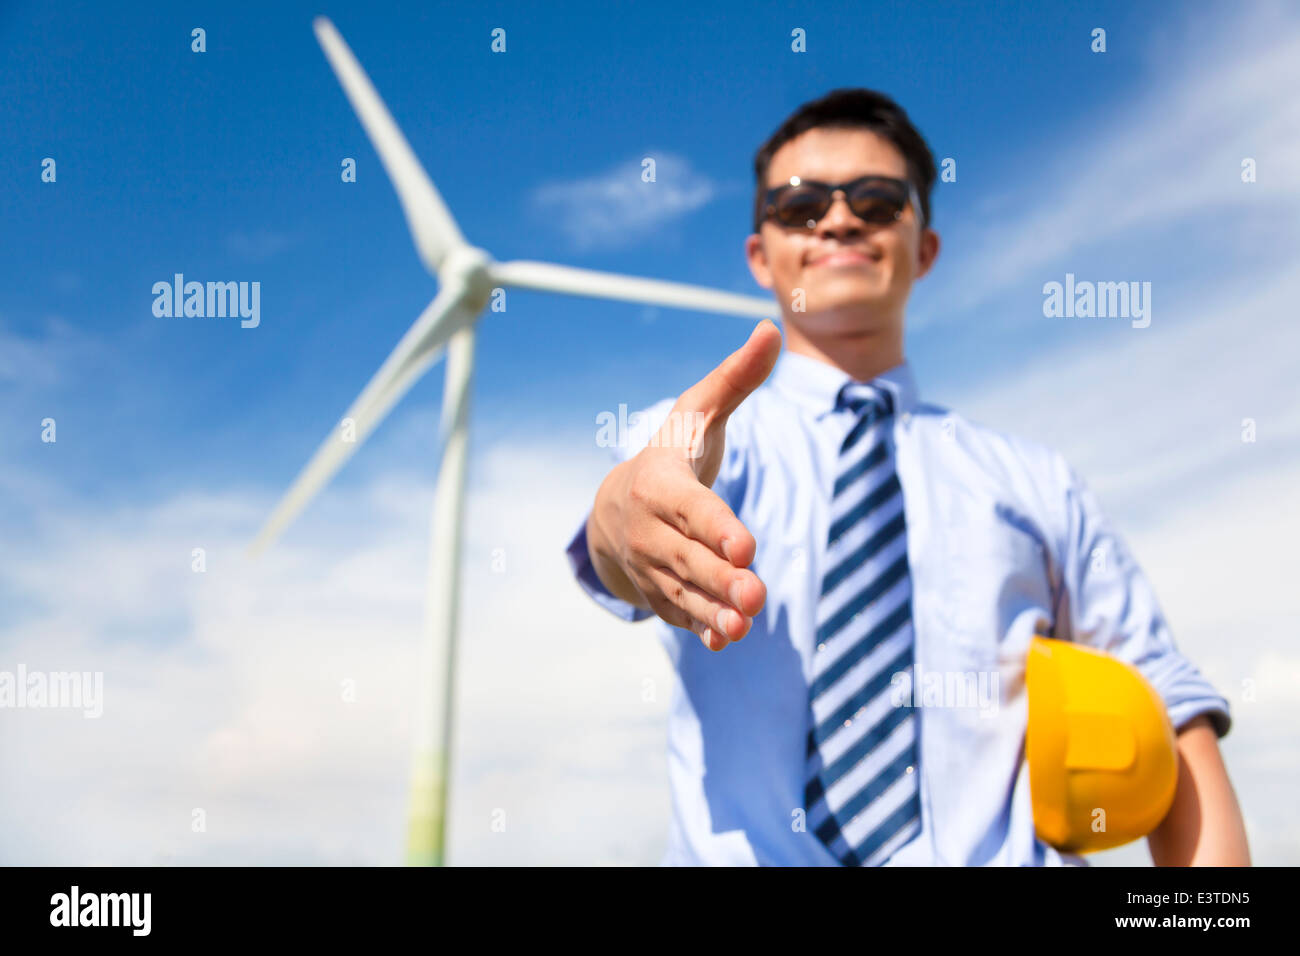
852, 109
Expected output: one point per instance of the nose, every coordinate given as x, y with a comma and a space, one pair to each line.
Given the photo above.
840, 219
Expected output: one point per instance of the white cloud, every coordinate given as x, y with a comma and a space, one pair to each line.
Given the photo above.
616, 207
223, 690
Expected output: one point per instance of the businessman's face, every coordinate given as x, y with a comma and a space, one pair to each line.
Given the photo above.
864, 290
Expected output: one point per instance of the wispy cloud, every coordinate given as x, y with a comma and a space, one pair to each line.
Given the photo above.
1158, 421
1170, 157
1152, 413
617, 208
34, 362
24, 360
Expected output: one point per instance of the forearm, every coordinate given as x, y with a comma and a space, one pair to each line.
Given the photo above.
1204, 826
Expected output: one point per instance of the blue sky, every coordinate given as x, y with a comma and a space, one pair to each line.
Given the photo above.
225, 166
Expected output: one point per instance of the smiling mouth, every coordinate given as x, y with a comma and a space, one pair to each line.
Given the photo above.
842, 259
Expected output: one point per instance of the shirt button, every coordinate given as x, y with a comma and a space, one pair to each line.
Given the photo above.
906, 417
909, 769
821, 647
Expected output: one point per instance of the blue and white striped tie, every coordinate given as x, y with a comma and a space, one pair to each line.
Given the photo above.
862, 796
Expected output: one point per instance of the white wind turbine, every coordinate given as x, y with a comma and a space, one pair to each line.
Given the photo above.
466, 277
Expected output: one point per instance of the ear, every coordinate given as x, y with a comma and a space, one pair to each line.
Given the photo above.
756, 256
927, 252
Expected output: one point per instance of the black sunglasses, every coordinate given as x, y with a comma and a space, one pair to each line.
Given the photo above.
879, 200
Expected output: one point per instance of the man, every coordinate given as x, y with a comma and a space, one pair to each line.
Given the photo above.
806, 512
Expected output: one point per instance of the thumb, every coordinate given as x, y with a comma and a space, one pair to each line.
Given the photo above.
720, 392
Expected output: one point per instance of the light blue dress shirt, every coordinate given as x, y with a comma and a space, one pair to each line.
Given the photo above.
1004, 541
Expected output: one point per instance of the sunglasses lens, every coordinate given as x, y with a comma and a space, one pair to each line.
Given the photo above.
878, 202
801, 205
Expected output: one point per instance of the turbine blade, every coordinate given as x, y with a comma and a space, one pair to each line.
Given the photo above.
431, 224
548, 277
414, 354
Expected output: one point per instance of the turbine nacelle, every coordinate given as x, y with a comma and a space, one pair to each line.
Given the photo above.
471, 268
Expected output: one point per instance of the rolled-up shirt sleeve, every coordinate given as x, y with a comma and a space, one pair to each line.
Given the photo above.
1107, 602
623, 443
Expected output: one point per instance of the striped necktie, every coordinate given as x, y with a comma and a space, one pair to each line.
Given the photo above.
862, 797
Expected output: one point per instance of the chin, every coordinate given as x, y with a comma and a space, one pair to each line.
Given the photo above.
845, 302
835, 286
843, 317
854, 302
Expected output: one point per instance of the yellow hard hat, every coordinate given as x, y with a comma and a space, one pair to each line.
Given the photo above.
1102, 761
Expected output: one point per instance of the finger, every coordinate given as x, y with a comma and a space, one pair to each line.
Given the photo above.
675, 616
695, 562
720, 392
699, 604
709, 636
712, 640
699, 513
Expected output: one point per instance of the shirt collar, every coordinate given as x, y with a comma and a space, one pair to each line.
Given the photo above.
816, 384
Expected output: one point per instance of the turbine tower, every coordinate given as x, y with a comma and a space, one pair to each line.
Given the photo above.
466, 277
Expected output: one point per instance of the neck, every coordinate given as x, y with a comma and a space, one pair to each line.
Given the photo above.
861, 354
